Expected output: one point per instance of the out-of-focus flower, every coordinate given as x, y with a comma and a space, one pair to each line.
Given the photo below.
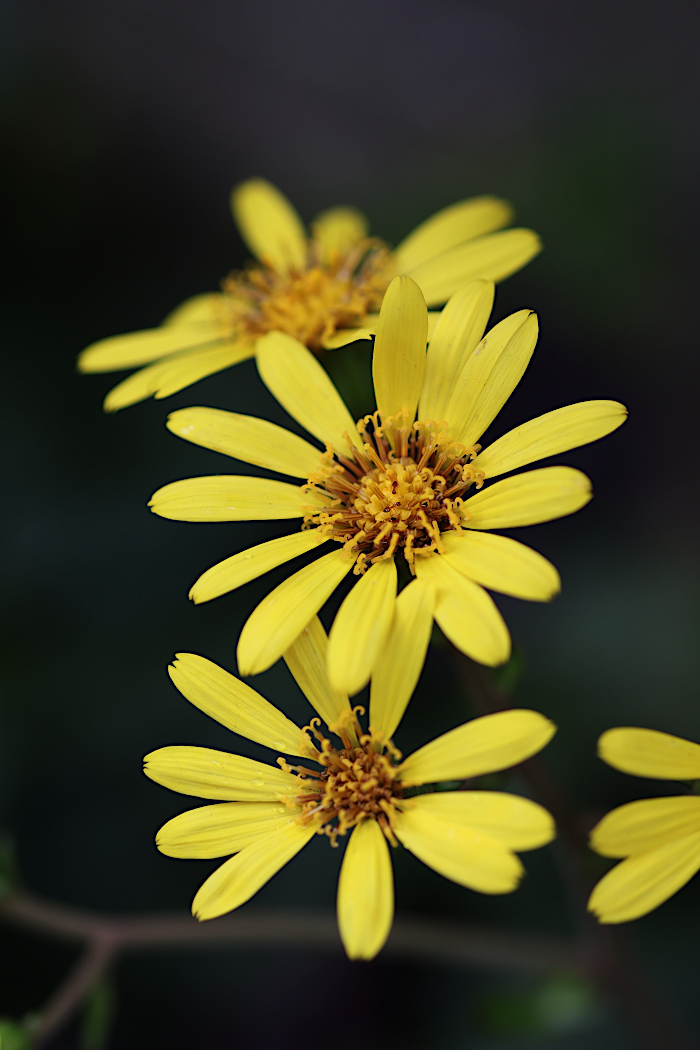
392, 490
658, 837
356, 785
323, 289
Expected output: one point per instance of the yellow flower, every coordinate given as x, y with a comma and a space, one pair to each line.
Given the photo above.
658, 837
322, 289
265, 814
392, 488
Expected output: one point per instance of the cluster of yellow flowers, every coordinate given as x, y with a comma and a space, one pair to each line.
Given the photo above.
402, 504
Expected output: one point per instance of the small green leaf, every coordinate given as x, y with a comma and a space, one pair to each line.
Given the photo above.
98, 1016
14, 1036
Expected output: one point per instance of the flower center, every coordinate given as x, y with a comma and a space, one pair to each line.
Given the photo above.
400, 493
356, 782
313, 303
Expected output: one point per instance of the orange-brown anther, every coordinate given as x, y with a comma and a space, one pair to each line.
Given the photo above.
313, 303
401, 493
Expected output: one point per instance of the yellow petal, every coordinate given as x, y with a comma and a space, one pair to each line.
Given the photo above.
138, 348
490, 376
216, 774
450, 227
502, 565
483, 745
515, 822
235, 705
493, 257
285, 612
550, 434
528, 499
196, 309
307, 659
465, 612
401, 658
345, 336
647, 753
641, 883
459, 328
365, 892
227, 497
241, 568
398, 361
222, 829
164, 378
304, 388
462, 854
246, 438
360, 627
239, 878
337, 230
269, 225
645, 825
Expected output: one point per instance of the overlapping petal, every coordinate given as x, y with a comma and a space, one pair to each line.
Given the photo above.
307, 659
224, 828
360, 627
451, 226
646, 824
517, 823
398, 361
529, 499
139, 348
502, 564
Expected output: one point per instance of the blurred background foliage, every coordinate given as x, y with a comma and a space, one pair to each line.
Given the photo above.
125, 125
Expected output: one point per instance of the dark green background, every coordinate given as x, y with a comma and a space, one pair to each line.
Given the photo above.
125, 126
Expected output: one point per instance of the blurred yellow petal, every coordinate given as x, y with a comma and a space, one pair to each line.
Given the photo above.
216, 774
465, 612
648, 753
167, 377
337, 230
138, 348
196, 309
398, 361
645, 825
493, 257
307, 659
240, 878
528, 499
515, 822
284, 613
246, 438
269, 225
401, 658
235, 705
490, 376
459, 328
365, 892
304, 388
502, 564
222, 829
241, 568
484, 745
360, 627
345, 336
228, 497
462, 854
550, 434
641, 883
450, 227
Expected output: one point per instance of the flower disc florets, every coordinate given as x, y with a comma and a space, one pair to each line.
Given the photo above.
314, 302
356, 782
401, 492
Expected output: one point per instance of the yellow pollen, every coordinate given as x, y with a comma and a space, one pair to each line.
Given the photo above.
400, 493
313, 303
356, 782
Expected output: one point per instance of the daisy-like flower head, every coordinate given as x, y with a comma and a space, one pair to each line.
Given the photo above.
659, 838
348, 783
407, 487
324, 288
